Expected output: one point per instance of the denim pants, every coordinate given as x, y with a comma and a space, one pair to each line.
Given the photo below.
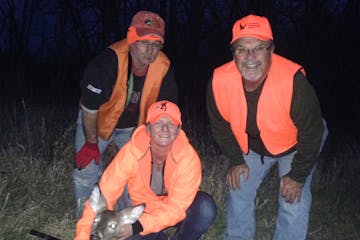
85, 179
199, 216
292, 219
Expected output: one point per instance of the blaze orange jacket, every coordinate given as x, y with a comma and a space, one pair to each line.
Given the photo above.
110, 111
132, 165
277, 130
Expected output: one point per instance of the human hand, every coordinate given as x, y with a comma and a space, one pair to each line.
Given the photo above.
87, 153
233, 175
125, 232
290, 189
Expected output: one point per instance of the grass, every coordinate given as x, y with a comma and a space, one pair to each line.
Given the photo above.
36, 160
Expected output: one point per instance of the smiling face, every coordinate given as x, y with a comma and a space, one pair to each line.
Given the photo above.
253, 59
163, 132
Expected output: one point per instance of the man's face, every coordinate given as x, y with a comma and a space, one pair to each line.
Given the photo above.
163, 132
253, 58
144, 52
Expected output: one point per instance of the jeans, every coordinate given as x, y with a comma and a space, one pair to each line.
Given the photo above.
292, 220
199, 216
85, 179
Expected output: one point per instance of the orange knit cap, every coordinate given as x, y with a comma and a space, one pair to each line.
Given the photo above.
164, 108
146, 26
252, 26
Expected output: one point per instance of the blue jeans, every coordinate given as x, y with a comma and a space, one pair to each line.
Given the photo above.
199, 216
292, 220
85, 179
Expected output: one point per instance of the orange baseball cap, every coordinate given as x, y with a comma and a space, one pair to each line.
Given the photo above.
146, 25
252, 26
164, 108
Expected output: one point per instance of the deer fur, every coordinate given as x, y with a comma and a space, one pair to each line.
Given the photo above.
107, 223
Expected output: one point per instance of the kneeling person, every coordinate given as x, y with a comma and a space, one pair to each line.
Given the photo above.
163, 171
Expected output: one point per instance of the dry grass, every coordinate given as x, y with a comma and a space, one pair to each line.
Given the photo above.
36, 162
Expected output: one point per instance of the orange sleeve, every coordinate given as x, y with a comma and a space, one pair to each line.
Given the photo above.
84, 224
111, 184
116, 175
185, 185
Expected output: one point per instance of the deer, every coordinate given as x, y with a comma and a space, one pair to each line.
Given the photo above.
107, 223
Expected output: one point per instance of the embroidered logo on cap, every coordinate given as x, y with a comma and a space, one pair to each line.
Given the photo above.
254, 25
152, 22
163, 106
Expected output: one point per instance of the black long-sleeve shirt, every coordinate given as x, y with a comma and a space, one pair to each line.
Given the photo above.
305, 112
101, 74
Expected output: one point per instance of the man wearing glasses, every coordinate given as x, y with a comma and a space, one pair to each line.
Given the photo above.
118, 86
263, 111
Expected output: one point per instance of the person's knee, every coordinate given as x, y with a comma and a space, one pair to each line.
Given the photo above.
91, 171
206, 206
294, 210
83, 182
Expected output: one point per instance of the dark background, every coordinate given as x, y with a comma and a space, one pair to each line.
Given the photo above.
44, 46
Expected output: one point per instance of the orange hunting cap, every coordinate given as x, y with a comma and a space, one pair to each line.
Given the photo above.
146, 25
164, 108
252, 26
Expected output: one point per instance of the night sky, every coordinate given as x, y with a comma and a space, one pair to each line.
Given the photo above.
44, 47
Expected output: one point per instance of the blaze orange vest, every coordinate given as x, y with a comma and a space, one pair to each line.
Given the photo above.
110, 112
277, 130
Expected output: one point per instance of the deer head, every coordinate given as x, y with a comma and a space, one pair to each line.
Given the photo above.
107, 223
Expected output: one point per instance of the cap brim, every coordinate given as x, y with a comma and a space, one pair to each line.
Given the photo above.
262, 38
141, 32
175, 121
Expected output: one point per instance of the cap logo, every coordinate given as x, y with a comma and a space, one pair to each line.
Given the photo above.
163, 106
254, 25
151, 22
161, 109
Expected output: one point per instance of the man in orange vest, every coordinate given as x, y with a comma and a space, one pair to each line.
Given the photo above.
118, 86
162, 170
263, 111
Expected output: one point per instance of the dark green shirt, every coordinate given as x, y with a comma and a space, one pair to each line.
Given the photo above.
305, 112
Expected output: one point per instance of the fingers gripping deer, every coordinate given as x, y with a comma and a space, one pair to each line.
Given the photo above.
108, 224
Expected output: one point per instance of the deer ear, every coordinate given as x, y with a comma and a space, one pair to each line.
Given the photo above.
97, 200
132, 214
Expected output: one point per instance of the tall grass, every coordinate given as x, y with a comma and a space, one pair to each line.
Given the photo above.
35, 191
36, 160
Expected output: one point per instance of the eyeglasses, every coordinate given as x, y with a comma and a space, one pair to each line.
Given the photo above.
146, 44
241, 51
